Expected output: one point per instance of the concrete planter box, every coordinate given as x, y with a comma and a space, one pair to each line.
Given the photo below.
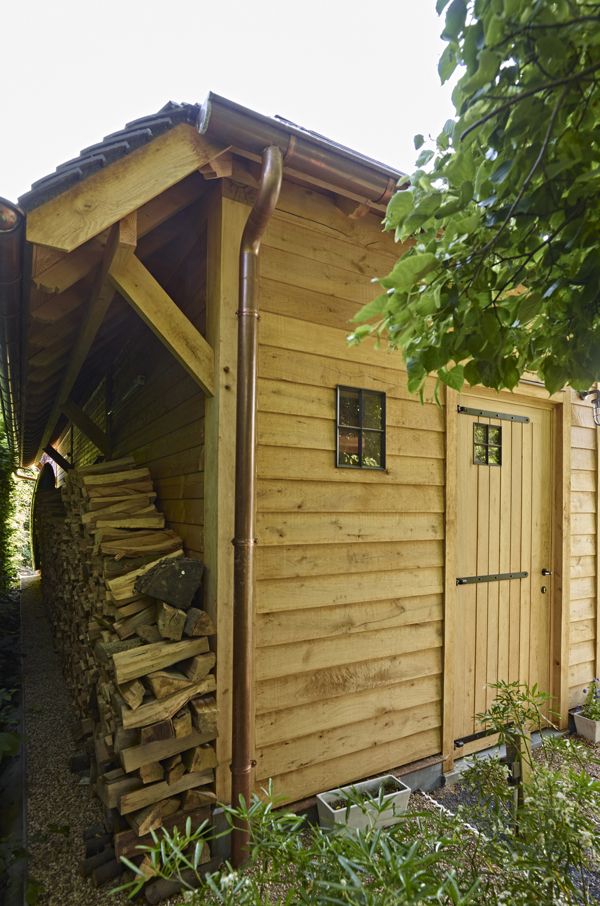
589, 729
364, 815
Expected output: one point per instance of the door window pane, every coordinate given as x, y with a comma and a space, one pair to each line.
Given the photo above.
487, 445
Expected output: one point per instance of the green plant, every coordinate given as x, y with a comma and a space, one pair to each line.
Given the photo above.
291, 862
546, 839
591, 705
500, 217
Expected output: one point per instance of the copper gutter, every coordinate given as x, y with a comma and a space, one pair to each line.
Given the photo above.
242, 763
12, 237
305, 152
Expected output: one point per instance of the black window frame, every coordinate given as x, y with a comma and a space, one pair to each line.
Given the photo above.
486, 444
360, 428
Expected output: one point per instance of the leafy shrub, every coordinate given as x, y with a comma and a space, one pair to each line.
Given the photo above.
591, 705
539, 847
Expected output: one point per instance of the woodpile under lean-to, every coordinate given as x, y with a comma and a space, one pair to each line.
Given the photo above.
126, 610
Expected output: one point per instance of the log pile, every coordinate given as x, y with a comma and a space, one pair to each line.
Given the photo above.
135, 644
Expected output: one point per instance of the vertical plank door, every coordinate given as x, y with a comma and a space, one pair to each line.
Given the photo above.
504, 527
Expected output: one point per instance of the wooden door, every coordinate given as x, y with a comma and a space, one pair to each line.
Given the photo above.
504, 527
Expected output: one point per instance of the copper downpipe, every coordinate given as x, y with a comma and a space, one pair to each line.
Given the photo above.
242, 763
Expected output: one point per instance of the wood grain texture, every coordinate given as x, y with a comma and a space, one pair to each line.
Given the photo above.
89, 207
154, 305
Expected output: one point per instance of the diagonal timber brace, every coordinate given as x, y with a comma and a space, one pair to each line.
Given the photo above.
81, 420
137, 285
120, 244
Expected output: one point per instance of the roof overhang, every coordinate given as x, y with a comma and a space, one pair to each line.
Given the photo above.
152, 168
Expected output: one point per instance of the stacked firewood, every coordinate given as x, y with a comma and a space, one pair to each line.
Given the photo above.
125, 606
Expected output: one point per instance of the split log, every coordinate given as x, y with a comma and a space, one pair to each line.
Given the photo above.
126, 842
133, 693
175, 583
182, 723
155, 711
161, 730
204, 714
201, 758
140, 661
148, 752
198, 623
170, 621
151, 817
140, 798
151, 773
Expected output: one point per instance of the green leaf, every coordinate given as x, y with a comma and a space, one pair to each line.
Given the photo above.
555, 377
419, 141
447, 64
409, 270
501, 172
454, 378
486, 72
440, 6
371, 309
510, 374
472, 373
455, 19
399, 206
424, 157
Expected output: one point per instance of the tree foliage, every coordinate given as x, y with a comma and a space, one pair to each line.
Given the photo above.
503, 210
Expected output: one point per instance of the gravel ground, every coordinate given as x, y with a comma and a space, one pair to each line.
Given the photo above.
452, 797
58, 808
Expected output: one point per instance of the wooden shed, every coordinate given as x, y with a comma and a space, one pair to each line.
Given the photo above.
406, 555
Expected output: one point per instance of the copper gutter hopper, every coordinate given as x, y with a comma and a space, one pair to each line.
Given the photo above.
306, 153
242, 763
12, 237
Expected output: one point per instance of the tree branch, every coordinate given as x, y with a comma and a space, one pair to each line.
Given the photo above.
490, 245
540, 26
548, 86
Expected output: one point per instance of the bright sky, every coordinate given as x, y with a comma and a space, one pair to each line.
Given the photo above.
361, 73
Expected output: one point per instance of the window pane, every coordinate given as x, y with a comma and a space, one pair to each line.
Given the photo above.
494, 456
479, 455
372, 449
348, 445
494, 435
349, 408
372, 410
479, 434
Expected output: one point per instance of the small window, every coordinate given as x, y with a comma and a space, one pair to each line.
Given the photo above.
487, 445
360, 428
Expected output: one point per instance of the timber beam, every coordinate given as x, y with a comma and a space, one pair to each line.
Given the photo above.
98, 202
56, 271
154, 305
60, 461
120, 245
84, 423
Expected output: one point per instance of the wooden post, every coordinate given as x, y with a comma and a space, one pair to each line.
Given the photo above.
561, 599
449, 581
226, 220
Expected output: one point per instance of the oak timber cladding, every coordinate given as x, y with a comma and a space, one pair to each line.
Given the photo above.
583, 647
349, 562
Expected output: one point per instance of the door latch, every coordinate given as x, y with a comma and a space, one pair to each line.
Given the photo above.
546, 572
